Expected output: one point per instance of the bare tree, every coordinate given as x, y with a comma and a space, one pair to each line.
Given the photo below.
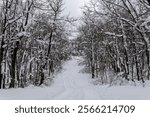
122, 29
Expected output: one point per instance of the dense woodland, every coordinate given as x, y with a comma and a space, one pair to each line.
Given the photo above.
114, 39
33, 41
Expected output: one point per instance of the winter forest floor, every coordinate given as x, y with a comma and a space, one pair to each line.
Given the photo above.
71, 84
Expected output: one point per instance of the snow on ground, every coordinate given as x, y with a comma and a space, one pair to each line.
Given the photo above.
71, 84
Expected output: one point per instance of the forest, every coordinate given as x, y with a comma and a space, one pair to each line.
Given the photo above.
113, 39
33, 41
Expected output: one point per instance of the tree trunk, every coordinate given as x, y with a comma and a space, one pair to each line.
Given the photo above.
42, 76
13, 65
137, 69
125, 45
1, 60
148, 63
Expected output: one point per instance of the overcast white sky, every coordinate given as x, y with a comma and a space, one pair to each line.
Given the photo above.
72, 7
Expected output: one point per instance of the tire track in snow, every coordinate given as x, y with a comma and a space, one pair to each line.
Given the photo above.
75, 84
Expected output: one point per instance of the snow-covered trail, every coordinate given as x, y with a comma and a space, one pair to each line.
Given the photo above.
71, 84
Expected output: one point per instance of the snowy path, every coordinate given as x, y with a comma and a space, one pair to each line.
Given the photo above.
71, 84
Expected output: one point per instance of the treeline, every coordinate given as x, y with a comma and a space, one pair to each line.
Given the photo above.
33, 41
114, 39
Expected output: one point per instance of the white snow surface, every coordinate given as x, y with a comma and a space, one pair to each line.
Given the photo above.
72, 84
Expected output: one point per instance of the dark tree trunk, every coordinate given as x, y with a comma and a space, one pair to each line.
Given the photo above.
1, 60
1, 77
137, 69
93, 72
42, 76
148, 63
13, 65
50, 41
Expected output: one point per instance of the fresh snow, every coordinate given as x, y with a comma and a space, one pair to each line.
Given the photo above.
72, 84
